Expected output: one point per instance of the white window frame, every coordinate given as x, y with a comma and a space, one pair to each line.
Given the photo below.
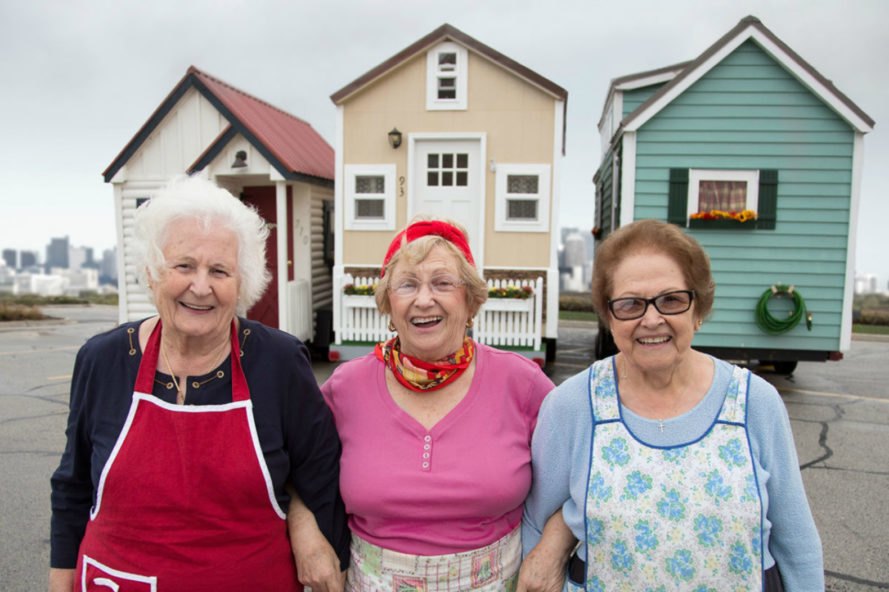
501, 222
433, 72
695, 176
387, 171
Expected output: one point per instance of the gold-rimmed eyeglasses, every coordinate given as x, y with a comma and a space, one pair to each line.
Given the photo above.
439, 285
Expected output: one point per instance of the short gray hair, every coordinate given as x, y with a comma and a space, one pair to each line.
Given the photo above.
196, 198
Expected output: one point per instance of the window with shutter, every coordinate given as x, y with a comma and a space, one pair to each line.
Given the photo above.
731, 199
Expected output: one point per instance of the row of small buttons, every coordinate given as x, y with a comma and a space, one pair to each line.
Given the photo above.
427, 452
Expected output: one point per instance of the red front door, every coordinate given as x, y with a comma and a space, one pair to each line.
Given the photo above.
263, 199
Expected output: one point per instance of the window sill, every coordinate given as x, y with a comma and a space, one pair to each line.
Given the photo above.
722, 224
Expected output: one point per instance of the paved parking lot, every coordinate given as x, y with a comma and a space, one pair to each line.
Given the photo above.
839, 412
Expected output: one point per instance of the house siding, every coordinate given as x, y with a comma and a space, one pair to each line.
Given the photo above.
605, 214
748, 112
138, 304
322, 279
182, 135
632, 99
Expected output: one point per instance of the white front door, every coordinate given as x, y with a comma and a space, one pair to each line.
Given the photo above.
448, 179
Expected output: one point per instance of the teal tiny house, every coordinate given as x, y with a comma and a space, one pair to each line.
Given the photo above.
758, 156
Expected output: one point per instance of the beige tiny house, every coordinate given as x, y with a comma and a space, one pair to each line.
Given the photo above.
449, 127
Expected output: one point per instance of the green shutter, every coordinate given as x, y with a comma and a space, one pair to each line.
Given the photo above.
677, 206
768, 199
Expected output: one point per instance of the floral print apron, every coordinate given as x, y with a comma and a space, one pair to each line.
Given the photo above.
686, 517
493, 568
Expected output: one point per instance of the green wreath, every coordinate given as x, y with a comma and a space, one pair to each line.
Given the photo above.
775, 326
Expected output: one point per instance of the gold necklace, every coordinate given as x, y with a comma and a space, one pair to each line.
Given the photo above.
180, 393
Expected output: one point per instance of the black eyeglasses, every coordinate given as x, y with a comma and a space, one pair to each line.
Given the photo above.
671, 303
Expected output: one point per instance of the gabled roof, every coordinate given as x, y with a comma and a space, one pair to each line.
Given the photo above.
289, 143
749, 28
447, 32
443, 33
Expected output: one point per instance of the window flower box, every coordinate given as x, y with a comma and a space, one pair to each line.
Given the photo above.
722, 220
359, 301
514, 292
721, 224
509, 304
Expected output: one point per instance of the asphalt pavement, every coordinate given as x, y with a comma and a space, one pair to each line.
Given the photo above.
839, 413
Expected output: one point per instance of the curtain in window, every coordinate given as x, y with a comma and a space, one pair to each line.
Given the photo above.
728, 196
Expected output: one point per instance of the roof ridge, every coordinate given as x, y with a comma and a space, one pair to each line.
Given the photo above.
217, 80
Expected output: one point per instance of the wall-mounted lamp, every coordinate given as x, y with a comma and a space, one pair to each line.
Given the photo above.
395, 138
240, 160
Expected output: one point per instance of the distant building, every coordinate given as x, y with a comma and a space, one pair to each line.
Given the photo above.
57, 252
866, 283
10, 257
28, 259
79, 257
108, 267
575, 250
80, 280
575, 262
7, 279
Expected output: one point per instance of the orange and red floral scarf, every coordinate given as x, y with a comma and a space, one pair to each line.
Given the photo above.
420, 376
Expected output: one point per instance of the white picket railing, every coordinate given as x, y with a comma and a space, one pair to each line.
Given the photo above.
512, 322
359, 318
508, 322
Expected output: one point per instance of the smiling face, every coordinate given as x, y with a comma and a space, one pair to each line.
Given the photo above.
197, 292
654, 342
428, 304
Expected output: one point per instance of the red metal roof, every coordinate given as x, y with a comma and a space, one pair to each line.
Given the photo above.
288, 142
295, 143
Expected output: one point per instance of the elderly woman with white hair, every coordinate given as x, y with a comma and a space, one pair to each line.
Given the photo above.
188, 431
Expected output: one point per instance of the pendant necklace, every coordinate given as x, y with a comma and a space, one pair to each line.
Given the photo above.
624, 376
180, 393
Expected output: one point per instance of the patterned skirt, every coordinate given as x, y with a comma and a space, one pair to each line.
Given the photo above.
493, 568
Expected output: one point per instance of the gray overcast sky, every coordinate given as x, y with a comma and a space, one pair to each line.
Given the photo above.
80, 78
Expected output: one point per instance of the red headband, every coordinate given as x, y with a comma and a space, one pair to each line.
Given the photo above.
449, 232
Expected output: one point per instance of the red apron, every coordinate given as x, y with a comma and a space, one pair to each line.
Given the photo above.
185, 501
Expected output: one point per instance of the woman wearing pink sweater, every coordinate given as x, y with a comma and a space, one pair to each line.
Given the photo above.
436, 430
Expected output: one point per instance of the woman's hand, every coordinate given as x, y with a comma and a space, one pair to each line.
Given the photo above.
61, 580
543, 569
317, 564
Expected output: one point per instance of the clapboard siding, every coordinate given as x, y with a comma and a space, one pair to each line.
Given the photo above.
139, 305
605, 197
748, 112
322, 279
632, 99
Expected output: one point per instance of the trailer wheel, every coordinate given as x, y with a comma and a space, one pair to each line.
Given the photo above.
785, 367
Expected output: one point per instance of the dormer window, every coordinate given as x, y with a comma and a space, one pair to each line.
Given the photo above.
446, 77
